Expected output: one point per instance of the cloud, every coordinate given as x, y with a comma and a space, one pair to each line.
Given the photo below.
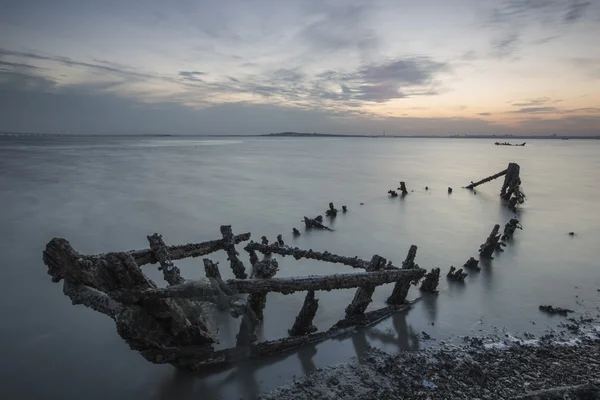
575, 11
555, 110
533, 102
484, 114
339, 27
35, 104
192, 76
536, 110
69, 62
546, 39
4, 64
506, 45
380, 82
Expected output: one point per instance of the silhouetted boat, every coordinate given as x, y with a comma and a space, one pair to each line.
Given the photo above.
509, 144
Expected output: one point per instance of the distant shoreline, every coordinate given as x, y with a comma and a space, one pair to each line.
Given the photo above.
305, 135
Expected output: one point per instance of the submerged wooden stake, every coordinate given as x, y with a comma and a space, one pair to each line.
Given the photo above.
264, 269
491, 244
171, 273
362, 297
402, 287
303, 324
229, 244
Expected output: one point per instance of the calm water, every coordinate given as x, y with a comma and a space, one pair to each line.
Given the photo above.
108, 194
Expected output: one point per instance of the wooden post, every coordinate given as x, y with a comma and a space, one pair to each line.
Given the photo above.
487, 249
402, 188
430, 283
247, 332
236, 265
510, 228
402, 287
264, 269
362, 297
171, 273
511, 181
303, 324
211, 269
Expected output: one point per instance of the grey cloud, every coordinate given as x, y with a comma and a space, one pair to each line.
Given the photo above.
192, 76
533, 102
407, 71
546, 39
17, 65
396, 79
233, 79
127, 73
506, 45
535, 110
35, 104
288, 75
340, 27
555, 110
484, 113
575, 11
514, 12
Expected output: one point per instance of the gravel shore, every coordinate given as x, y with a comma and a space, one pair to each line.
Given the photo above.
555, 366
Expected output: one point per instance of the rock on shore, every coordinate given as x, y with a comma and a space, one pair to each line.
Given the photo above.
545, 370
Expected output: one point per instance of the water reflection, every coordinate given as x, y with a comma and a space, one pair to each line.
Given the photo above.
486, 273
306, 355
429, 301
403, 337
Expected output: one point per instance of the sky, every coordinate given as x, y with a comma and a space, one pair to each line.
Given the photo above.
429, 67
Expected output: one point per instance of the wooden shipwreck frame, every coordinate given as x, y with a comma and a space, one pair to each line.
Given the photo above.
176, 325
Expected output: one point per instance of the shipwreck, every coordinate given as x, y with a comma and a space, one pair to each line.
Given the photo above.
176, 324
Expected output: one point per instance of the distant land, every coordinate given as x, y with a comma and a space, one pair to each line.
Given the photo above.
306, 134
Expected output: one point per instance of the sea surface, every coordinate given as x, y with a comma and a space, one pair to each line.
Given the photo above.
107, 194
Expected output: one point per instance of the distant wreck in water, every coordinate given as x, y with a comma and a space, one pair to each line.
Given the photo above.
509, 144
511, 188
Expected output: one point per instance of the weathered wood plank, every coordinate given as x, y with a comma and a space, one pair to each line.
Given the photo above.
298, 254
200, 289
485, 180
232, 255
303, 324
171, 273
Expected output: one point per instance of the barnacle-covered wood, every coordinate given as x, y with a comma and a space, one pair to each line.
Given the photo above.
297, 253
144, 322
402, 287
200, 289
491, 244
303, 324
232, 255
171, 273
178, 252
430, 283
264, 269
316, 223
363, 295
485, 180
